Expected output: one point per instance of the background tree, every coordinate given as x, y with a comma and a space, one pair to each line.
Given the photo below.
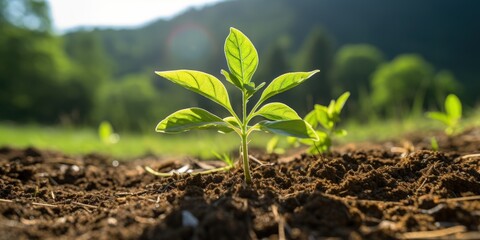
134, 103
402, 86
275, 61
353, 67
443, 84
92, 69
27, 14
33, 73
316, 52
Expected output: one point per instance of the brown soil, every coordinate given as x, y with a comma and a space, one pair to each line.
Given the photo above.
383, 191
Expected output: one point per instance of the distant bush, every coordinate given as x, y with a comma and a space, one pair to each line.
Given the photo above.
407, 85
353, 67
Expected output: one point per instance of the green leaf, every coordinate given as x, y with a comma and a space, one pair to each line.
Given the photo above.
241, 55
453, 107
232, 79
294, 128
322, 145
277, 111
201, 83
272, 144
232, 120
341, 102
191, 118
332, 114
106, 133
311, 118
284, 83
105, 130
440, 117
341, 132
322, 116
250, 88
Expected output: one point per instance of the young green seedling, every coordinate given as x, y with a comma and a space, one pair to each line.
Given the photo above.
434, 144
452, 115
242, 61
106, 133
326, 117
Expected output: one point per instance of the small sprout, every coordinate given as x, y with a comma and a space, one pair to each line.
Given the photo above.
325, 120
226, 158
434, 144
242, 62
106, 133
272, 146
452, 115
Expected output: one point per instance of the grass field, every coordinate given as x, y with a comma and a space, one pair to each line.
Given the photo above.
197, 143
81, 141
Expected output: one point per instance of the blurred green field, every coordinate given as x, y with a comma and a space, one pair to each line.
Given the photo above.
82, 141
198, 143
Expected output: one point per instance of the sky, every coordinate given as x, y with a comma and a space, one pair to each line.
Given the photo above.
69, 14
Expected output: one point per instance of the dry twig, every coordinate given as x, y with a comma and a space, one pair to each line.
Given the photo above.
433, 234
280, 221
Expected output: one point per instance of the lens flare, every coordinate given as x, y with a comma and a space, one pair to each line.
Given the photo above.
190, 43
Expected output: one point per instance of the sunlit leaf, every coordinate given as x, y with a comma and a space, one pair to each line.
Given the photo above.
453, 107
241, 55
321, 112
200, 82
251, 89
341, 132
106, 133
439, 116
191, 118
105, 130
272, 144
294, 128
284, 83
277, 111
341, 101
231, 120
332, 114
311, 118
232, 79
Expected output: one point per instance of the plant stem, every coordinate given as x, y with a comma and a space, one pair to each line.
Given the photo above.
244, 136
246, 167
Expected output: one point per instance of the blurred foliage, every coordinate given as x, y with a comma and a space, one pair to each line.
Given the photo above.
401, 87
34, 73
91, 75
353, 67
316, 52
127, 104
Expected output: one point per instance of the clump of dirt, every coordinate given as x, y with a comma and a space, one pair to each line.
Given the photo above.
387, 191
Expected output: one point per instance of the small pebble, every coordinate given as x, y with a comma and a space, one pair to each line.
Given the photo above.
115, 163
112, 221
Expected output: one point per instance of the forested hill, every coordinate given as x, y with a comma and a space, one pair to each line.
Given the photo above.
405, 53
444, 32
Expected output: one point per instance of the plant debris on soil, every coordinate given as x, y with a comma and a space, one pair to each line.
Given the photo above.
392, 190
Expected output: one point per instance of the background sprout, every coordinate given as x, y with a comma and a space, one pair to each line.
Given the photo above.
325, 120
452, 115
